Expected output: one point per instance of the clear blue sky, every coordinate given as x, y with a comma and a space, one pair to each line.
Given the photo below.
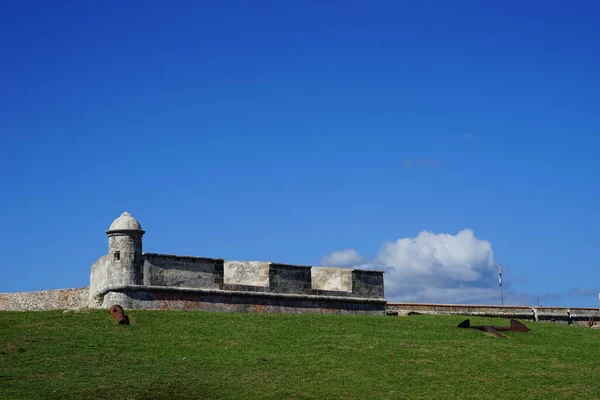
284, 131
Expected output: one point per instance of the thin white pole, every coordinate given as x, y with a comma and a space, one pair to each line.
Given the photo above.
500, 283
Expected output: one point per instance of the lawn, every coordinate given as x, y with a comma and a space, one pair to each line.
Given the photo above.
200, 355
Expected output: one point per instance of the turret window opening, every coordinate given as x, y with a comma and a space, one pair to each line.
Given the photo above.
117, 255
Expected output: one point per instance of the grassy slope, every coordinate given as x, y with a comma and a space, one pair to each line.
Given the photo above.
178, 354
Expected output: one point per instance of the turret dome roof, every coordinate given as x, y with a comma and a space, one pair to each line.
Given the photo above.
125, 223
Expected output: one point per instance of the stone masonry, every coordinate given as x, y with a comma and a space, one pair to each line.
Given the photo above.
60, 299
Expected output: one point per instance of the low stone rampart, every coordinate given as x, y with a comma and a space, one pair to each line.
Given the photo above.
177, 298
59, 299
566, 315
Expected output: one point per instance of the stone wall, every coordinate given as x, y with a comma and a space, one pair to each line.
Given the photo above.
182, 271
60, 299
174, 282
258, 276
171, 281
566, 315
172, 298
99, 276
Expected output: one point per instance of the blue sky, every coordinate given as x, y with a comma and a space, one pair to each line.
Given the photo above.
288, 131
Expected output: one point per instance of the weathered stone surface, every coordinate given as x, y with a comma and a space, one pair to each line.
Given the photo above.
366, 283
125, 257
249, 273
44, 300
98, 279
172, 270
228, 301
335, 279
285, 278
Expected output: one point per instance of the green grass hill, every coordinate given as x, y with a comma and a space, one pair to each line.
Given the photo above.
200, 355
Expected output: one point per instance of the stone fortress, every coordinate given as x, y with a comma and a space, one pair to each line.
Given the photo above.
138, 280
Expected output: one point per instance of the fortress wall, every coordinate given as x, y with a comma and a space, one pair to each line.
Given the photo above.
60, 299
520, 312
169, 298
182, 271
566, 315
174, 282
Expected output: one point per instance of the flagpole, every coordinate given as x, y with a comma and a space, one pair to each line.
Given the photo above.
500, 283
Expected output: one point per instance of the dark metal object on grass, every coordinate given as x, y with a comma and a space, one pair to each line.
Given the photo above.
515, 326
119, 315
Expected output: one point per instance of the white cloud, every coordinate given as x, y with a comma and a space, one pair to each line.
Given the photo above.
431, 267
343, 258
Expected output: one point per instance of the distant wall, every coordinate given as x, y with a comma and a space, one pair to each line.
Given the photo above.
566, 315
60, 299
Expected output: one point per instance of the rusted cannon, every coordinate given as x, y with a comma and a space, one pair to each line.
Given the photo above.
515, 326
119, 315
